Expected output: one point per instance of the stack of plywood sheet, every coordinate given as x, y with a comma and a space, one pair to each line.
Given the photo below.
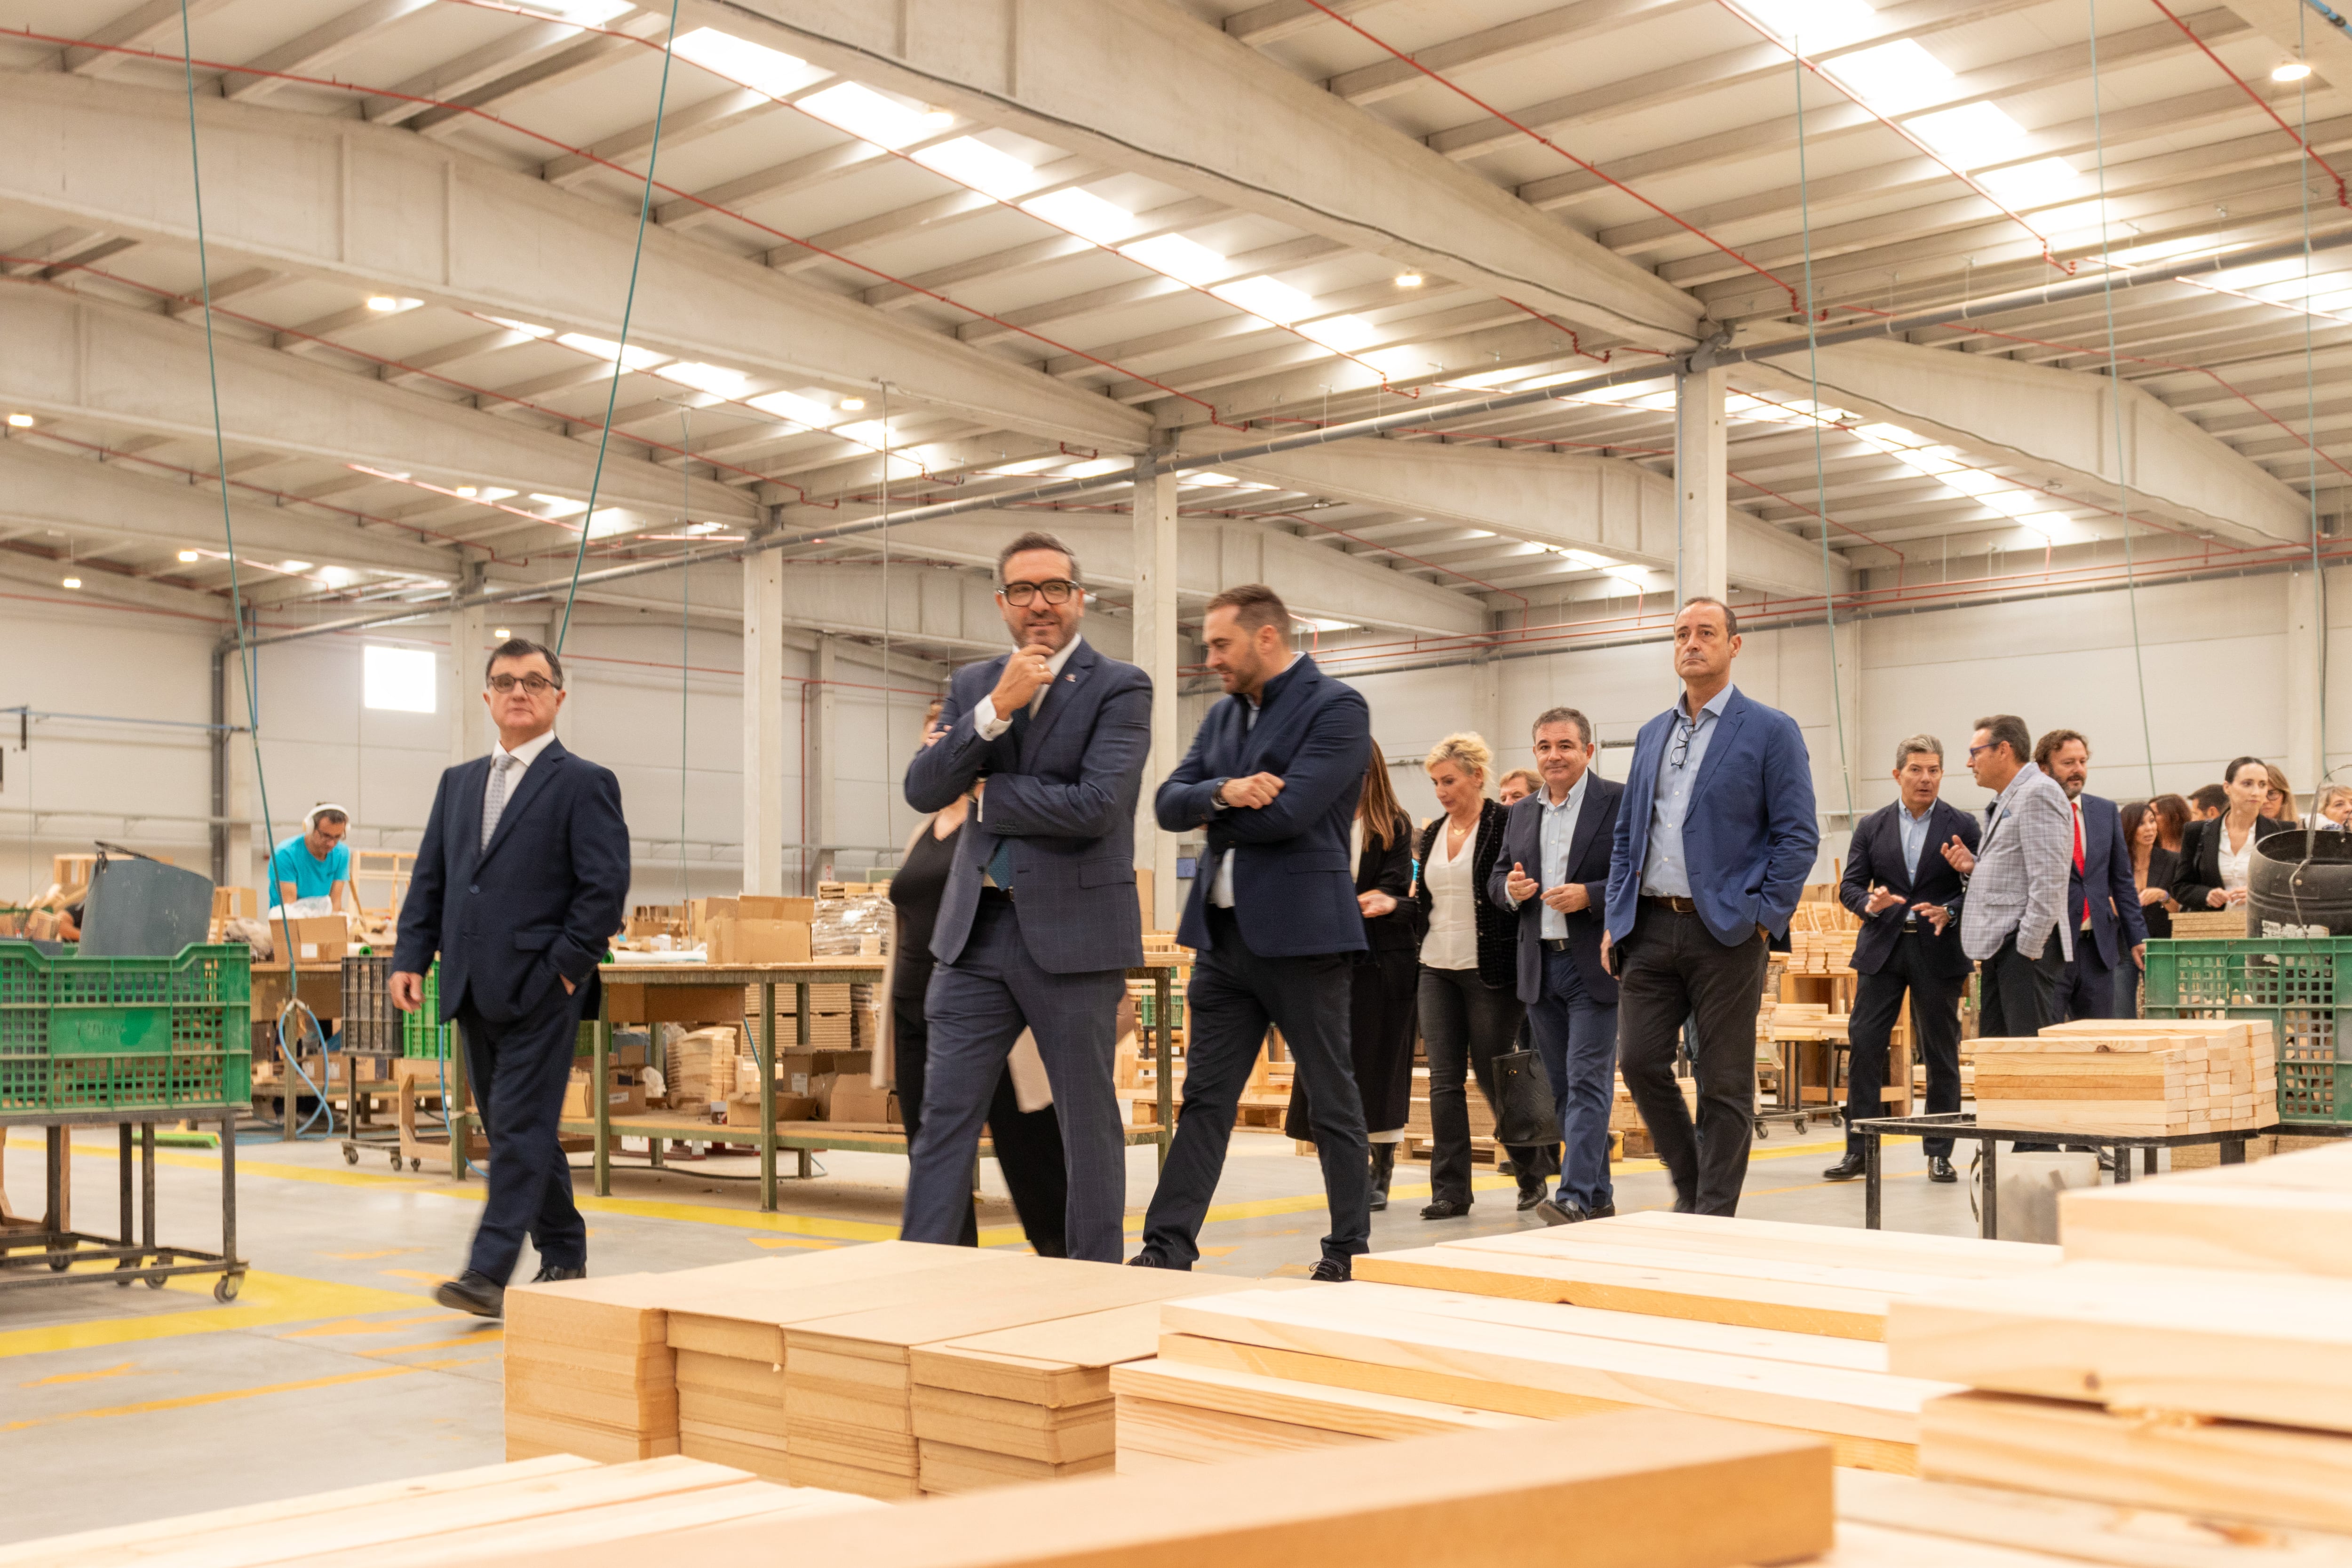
554, 1505
2153, 1078
588, 1370
1805, 1278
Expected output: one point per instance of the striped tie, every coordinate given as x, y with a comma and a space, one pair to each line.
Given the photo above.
496, 806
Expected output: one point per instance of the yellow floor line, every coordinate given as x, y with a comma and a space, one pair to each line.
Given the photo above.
191, 1401
265, 1300
462, 1341
371, 1326
125, 1370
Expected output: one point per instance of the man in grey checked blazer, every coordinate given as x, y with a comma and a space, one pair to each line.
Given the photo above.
2015, 895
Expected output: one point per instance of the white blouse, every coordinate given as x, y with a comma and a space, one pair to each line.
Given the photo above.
2233, 867
1452, 939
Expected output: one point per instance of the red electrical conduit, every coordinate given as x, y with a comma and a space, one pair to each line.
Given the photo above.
2259, 102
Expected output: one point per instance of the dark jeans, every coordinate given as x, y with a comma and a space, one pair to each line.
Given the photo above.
1576, 1038
518, 1069
1911, 968
1465, 1024
1672, 968
1028, 1142
1234, 995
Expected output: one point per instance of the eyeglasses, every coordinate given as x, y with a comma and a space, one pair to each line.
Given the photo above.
1021, 595
537, 685
1988, 746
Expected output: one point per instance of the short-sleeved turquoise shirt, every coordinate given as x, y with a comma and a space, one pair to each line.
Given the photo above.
312, 878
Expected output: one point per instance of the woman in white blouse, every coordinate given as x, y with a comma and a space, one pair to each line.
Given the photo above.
2215, 854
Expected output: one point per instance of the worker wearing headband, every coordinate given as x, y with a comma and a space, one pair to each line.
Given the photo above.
315, 863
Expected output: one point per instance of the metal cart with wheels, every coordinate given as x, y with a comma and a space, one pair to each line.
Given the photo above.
48, 1251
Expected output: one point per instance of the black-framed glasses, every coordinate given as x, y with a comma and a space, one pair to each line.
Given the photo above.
1988, 746
1021, 595
537, 685
1680, 756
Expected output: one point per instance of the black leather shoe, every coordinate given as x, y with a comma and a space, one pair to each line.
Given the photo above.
1384, 1170
1845, 1170
1444, 1208
1331, 1271
1940, 1169
1553, 1212
554, 1271
473, 1292
1530, 1196
1602, 1211
1147, 1259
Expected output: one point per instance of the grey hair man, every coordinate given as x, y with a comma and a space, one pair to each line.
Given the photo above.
2015, 921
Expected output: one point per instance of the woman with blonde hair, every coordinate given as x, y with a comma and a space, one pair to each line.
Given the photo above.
1382, 981
1469, 1003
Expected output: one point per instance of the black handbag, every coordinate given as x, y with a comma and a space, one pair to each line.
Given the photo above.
1525, 1112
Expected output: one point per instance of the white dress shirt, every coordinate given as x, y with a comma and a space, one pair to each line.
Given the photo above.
524, 755
2233, 866
983, 712
1452, 939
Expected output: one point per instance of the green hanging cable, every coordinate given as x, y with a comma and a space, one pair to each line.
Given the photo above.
1821, 469
2311, 428
2116, 401
621, 349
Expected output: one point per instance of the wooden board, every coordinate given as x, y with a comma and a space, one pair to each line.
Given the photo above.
2220, 1469
2191, 1222
1207, 1437
753, 1457
657, 1527
948, 1470
1386, 1418
2248, 1347
807, 1469
1911, 1250
530, 1436
744, 1317
1647, 1488
1035, 1432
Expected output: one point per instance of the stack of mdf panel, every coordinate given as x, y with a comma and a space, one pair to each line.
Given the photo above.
554, 1505
2145, 1077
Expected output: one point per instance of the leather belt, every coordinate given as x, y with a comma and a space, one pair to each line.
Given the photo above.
995, 895
1555, 943
1911, 928
1669, 902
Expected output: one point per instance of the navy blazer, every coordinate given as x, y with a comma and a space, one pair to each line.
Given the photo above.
1875, 856
1064, 793
2105, 883
1750, 837
1294, 889
542, 900
1589, 849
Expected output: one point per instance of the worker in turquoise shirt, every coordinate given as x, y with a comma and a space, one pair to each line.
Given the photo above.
315, 863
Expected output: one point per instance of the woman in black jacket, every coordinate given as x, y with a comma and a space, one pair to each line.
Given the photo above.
1380, 985
1470, 1009
2216, 855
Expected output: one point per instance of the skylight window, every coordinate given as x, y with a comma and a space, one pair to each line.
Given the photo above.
1278, 302
2038, 184
635, 358
971, 162
798, 409
1815, 25
716, 380
1082, 213
1344, 333
869, 116
525, 328
398, 679
1185, 260
580, 13
560, 506
1892, 77
1972, 134
756, 65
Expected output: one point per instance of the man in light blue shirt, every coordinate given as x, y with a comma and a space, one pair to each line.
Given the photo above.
315, 863
1665, 874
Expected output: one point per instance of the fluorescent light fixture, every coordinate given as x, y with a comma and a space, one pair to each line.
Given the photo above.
1022, 466
1816, 25
756, 65
1974, 482
2038, 184
1590, 561
798, 410
1344, 333
525, 328
1278, 302
468, 491
494, 493
560, 506
1082, 213
580, 13
1637, 575
634, 358
869, 115
398, 679
20, 422
1409, 280
1971, 134
70, 583
1093, 466
1321, 624
716, 380
971, 162
391, 304
606, 522
1892, 77
852, 404
2166, 250
501, 634
866, 433
1208, 478
2290, 70
189, 557
1889, 435
1185, 260
294, 566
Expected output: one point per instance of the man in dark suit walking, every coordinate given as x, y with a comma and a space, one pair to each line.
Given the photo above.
1714, 838
1554, 870
1274, 773
2102, 899
520, 882
1908, 897
1038, 924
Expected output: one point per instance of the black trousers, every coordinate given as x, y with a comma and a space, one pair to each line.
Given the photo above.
2018, 996
1379, 1044
1234, 995
1465, 1024
1673, 969
518, 1069
1912, 968
1028, 1142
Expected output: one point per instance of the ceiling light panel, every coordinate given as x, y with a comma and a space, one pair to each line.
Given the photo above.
969, 160
1082, 213
1892, 77
1187, 261
633, 359
869, 116
756, 65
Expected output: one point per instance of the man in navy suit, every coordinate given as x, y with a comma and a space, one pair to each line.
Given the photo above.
1714, 838
1274, 773
1908, 897
520, 882
2102, 899
1554, 870
1038, 924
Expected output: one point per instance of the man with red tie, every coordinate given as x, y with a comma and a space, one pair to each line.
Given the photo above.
2102, 901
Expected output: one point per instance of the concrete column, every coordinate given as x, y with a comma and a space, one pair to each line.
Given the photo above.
763, 724
825, 754
2304, 764
470, 646
1701, 485
1155, 651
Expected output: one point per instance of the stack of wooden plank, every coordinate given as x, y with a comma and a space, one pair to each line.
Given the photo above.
2291, 1214
555, 1506
2146, 1076
699, 1066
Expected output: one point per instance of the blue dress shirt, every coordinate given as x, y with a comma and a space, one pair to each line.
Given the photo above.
1915, 835
1558, 833
1665, 874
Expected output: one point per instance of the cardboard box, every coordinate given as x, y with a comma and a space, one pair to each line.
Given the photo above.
796, 1070
735, 940
625, 1095
743, 1109
752, 907
630, 1049
856, 1097
319, 939
634, 1002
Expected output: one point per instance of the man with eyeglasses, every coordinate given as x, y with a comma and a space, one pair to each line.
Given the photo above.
1038, 924
1714, 839
520, 882
2016, 880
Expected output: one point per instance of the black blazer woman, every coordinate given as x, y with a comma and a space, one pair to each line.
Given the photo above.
1382, 981
2217, 856
1469, 1003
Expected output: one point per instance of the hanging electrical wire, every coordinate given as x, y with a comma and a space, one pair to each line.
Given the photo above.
2311, 428
685, 635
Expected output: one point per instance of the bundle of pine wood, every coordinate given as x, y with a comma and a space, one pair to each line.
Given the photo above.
1767, 1274
2151, 1077
552, 1505
2291, 1214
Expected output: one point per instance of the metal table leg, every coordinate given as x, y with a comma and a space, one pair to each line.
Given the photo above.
2123, 1164
2147, 1161
2232, 1151
1163, 1054
454, 1112
125, 1161
1990, 1228
600, 1056
764, 1053
227, 1288
1871, 1173
147, 1184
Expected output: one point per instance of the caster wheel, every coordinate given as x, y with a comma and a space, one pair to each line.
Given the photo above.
351, 1155
1799, 1124
1763, 1130
60, 1261
225, 1288
124, 1283
155, 1282
395, 1162
414, 1165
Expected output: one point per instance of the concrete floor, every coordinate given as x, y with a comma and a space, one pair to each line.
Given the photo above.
333, 1368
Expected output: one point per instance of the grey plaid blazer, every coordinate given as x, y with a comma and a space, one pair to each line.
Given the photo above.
2019, 886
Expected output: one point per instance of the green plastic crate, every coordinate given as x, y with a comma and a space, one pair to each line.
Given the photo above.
1147, 1009
2301, 985
118, 1034
422, 1033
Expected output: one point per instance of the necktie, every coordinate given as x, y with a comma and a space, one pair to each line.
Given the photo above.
2078, 838
1000, 865
496, 806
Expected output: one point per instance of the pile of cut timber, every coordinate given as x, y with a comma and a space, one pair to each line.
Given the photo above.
700, 1067
2140, 1076
557, 1505
1766, 1274
2291, 1214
